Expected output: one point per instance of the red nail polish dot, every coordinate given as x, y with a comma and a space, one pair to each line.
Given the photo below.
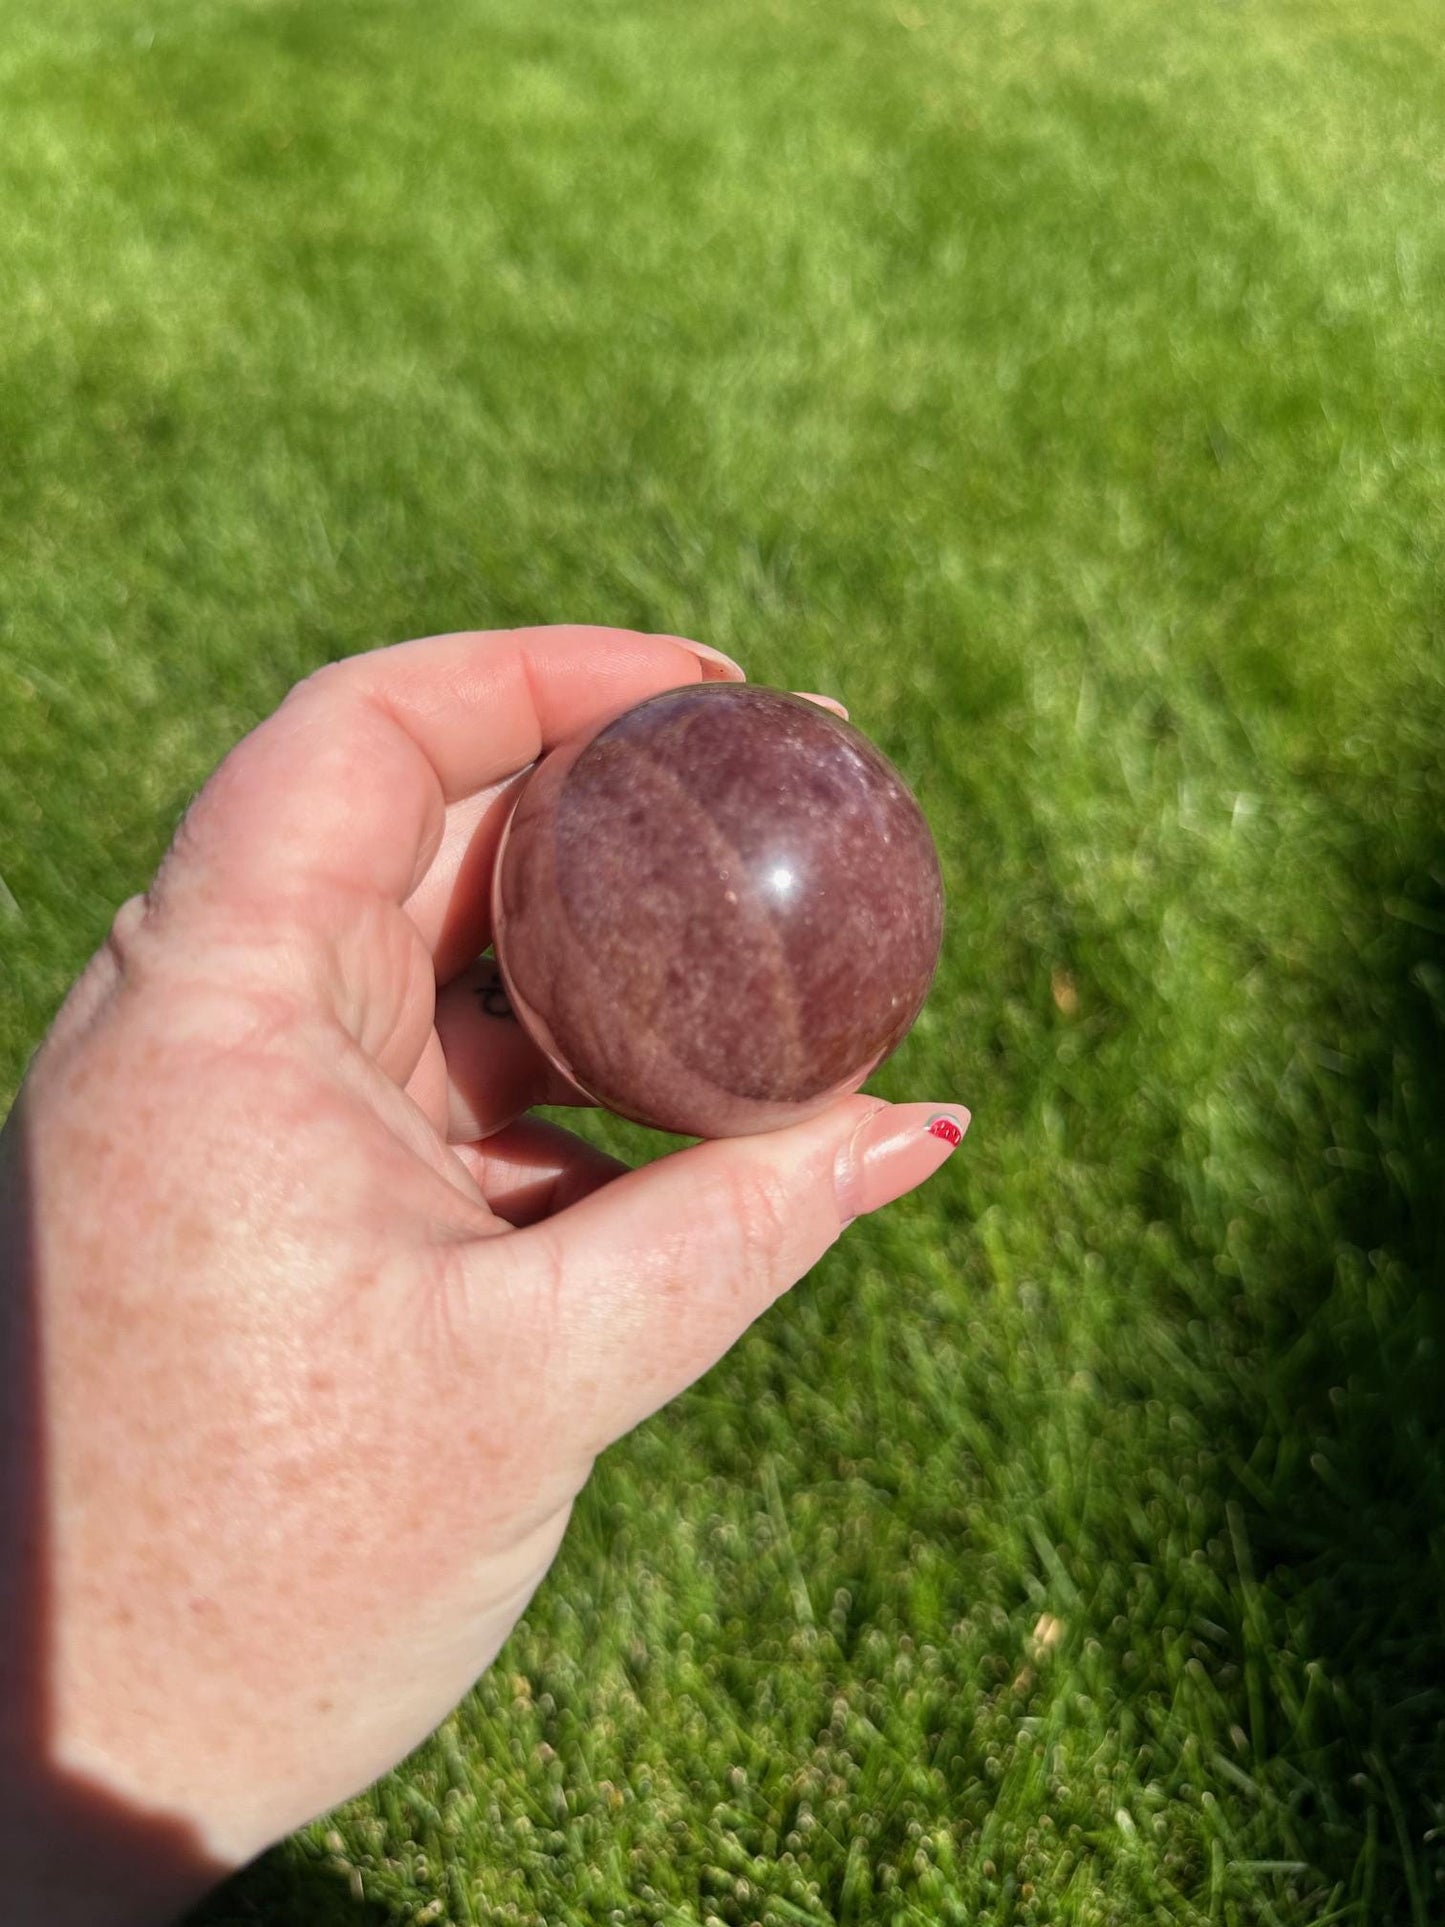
945, 1128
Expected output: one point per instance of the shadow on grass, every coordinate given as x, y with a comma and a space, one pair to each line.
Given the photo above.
1340, 1531
295, 1885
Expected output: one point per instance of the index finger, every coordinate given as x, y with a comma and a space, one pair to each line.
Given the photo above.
347, 785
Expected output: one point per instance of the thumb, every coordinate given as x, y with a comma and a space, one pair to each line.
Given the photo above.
648, 1281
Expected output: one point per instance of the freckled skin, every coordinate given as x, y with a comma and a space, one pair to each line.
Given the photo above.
720, 912
309, 1335
253, 1501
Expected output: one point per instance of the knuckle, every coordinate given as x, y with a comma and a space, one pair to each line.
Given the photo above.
223, 993
131, 934
322, 680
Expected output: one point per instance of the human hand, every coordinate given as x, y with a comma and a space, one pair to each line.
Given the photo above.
309, 1337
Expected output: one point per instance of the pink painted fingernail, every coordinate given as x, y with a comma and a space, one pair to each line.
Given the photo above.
892, 1151
823, 702
714, 659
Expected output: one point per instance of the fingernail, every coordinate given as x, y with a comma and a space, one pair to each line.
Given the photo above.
823, 702
892, 1151
714, 659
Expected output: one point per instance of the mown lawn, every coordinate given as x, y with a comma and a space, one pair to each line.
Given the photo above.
1061, 385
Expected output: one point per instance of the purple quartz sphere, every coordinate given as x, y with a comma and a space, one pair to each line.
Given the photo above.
719, 911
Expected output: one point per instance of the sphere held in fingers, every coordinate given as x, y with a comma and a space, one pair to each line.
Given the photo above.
719, 911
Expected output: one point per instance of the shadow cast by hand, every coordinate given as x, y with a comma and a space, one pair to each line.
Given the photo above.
298, 1884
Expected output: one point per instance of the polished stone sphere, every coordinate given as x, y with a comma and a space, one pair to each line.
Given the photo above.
719, 911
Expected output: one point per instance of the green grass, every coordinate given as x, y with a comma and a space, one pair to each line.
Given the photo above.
1061, 385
